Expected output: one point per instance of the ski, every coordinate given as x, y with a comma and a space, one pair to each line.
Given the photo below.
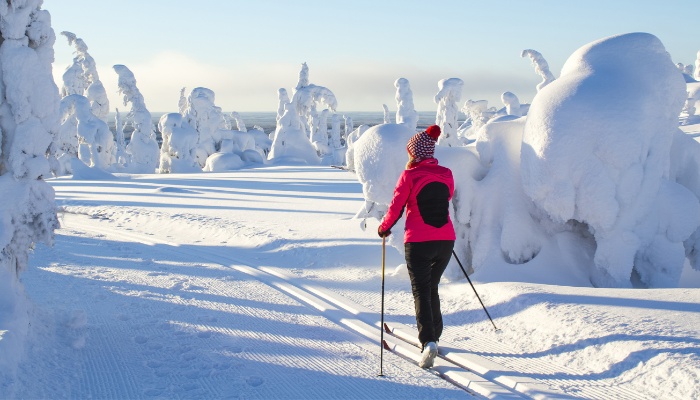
402, 335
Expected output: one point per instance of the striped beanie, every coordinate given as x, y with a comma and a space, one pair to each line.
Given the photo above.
422, 145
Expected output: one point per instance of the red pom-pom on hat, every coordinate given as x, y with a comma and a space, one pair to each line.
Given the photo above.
433, 131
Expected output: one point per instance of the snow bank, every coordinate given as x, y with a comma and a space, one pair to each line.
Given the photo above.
596, 150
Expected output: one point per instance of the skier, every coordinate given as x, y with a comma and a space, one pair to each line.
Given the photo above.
424, 189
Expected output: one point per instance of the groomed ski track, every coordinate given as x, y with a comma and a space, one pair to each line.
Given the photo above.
477, 376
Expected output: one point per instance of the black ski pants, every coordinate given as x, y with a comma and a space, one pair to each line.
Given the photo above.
426, 262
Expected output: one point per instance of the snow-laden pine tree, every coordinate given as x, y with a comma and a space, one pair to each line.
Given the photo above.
96, 146
512, 104
82, 78
307, 95
387, 118
179, 145
202, 114
121, 155
143, 151
406, 113
541, 67
240, 124
448, 96
28, 123
319, 137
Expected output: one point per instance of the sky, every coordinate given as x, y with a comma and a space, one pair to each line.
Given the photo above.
246, 50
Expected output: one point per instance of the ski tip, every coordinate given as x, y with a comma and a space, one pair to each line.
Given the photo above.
386, 345
386, 328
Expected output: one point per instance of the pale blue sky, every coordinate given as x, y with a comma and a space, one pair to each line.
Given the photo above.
246, 50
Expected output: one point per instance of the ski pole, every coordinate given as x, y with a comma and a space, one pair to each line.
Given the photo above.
381, 327
473, 288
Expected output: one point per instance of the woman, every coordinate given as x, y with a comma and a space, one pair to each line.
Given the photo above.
424, 189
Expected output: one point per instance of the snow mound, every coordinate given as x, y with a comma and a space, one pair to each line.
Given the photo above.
83, 172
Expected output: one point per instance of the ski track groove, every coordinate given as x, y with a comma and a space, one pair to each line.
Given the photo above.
499, 353
106, 375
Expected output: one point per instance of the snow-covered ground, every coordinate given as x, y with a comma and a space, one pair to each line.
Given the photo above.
168, 286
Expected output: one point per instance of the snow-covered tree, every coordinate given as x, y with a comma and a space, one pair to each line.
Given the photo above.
541, 67
614, 180
350, 140
686, 70
182, 103
283, 100
179, 145
96, 146
478, 114
143, 150
349, 126
240, 125
82, 78
319, 137
29, 122
696, 74
307, 95
290, 141
387, 115
448, 96
406, 113
512, 104
335, 132
206, 118
121, 156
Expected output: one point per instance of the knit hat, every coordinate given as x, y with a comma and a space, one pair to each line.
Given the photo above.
422, 145
433, 131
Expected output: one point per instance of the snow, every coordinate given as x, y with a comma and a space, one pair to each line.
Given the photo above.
578, 218
154, 301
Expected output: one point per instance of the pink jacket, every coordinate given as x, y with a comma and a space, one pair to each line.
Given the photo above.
424, 190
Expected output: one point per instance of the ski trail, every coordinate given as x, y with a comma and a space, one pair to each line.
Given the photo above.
120, 319
359, 319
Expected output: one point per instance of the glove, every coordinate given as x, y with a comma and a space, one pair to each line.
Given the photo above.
382, 233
